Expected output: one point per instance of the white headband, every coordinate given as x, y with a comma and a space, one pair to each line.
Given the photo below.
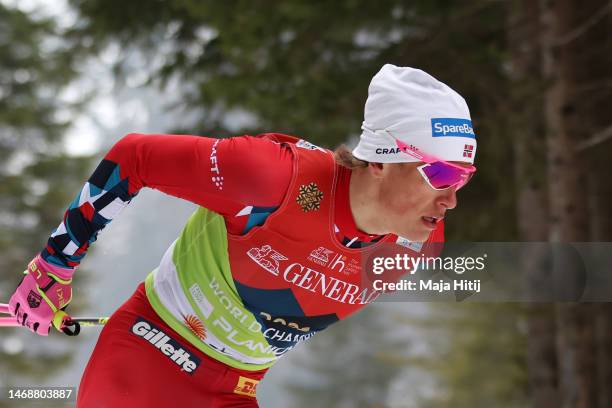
419, 110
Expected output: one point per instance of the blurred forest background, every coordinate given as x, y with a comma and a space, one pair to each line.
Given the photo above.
537, 75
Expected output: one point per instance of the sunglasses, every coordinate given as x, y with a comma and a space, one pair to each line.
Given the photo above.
439, 174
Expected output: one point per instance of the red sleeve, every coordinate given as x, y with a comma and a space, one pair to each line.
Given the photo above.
222, 175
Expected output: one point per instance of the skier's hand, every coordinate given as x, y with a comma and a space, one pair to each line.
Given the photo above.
41, 296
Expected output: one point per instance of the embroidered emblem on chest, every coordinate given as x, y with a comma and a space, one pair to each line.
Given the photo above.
309, 197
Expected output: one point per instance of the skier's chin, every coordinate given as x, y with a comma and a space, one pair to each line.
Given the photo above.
414, 234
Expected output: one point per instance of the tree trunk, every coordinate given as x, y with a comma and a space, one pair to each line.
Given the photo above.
596, 105
568, 210
600, 192
530, 171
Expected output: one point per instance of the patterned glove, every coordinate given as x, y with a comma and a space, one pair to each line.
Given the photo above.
41, 296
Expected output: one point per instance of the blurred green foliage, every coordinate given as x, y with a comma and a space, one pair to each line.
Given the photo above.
479, 357
354, 366
37, 180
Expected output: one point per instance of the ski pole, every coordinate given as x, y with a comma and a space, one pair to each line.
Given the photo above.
66, 321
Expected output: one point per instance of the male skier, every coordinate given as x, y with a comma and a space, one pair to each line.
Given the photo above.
272, 255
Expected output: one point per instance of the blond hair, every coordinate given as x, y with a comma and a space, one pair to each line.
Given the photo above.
345, 158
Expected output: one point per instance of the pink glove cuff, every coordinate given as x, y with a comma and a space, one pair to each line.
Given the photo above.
62, 273
43, 291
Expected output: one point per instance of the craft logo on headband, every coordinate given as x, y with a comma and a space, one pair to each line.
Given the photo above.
452, 127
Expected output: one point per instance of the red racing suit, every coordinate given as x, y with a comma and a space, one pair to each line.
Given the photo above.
271, 257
